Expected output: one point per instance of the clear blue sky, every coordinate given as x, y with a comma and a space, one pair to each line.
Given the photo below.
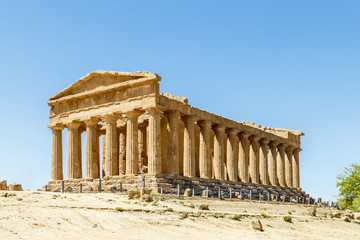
285, 64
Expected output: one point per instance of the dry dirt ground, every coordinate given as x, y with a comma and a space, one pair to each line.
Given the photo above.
44, 215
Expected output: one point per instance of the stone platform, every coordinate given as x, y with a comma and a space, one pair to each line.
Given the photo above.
170, 182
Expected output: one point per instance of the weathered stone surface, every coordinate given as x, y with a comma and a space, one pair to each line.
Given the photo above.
133, 193
347, 219
256, 224
15, 187
335, 215
187, 192
144, 191
3, 185
312, 211
357, 216
146, 198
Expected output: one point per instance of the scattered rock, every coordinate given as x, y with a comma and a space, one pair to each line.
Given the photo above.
187, 192
236, 194
183, 215
347, 219
3, 185
144, 191
256, 224
335, 215
349, 215
68, 189
146, 198
312, 211
204, 193
357, 216
15, 187
133, 193
88, 189
113, 188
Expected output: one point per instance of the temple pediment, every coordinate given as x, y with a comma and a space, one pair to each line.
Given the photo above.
102, 81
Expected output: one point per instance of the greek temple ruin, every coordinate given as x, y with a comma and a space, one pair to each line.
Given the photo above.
162, 137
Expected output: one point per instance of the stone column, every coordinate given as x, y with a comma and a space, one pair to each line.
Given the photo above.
204, 152
263, 162
219, 151
103, 165
74, 162
132, 161
142, 145
122, 150
272, 163
56, 154
173, 142
92, 157
232, 154
288, 166
189, 146
244, 145
112, 147
154, 144
295, 168
280, 162
164, 133
254, 159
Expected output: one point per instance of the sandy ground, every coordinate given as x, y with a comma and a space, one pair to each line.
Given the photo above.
43, 215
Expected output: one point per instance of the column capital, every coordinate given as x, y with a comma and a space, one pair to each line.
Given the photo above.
133, 113
264, 141
73, 125
254, 138
219, 127
91, 121
110, 118
57, 127
289, 148
273, 144
297, 150
244, 135
187, 118
205, 123
232, 131
153, 110
281, 146
172, 114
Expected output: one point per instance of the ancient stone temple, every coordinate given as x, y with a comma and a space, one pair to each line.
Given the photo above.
169, 140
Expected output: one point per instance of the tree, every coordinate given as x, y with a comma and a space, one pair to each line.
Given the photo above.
349, 188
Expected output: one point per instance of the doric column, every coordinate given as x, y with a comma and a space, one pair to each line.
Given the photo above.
164, 133
173, 142
288, 166
189, 146
244, 145
132, 161
219, 151
103, 165
232, 154
204, 152
254, 159
92, 157
272, 163
295, 168
154, 144
122, 150
74, 162
280, 162
56, 154
142, 148
112, 147
263, 162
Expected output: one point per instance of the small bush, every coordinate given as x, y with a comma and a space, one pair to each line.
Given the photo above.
289, 212
119, 209
306, 220
263, 215
169, 210
192, 206
181, 202
288, 219
203, 207
236, 217
245, 211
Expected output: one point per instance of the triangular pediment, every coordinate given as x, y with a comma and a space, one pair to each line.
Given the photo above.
101, 81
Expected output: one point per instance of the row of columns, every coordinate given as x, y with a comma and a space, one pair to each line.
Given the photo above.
248, 157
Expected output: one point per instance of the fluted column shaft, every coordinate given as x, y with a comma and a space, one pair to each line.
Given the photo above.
132, 161
280, 160
295, 168
254, 159
74, 161
219, 152
142, 148
154, 144
112, 147
272, 164
288, 166
164, 133
56, 154
204, 152
263, 162
122, 150
232, 154
92, 157
244, 157
173, 142
189, 146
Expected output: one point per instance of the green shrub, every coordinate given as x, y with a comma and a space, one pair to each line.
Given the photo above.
169, 210
236, 217
203, 207
263, 215
288, 219
181, 202
192, 206
119, 209
289, 212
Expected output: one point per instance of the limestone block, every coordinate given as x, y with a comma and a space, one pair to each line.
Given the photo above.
357, 216
256, 224
312, 211
204, 193
187, 192
3, 185
347, 219
15, 187
335, 215
144, 191
133, 193
146, 198
236, 194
